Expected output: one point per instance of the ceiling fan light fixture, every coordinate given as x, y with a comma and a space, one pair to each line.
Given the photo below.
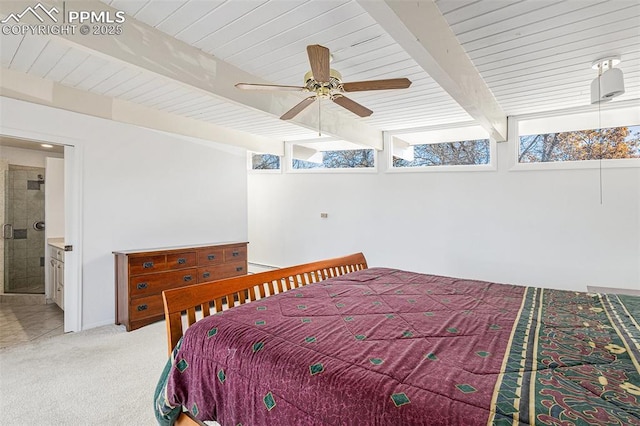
323, 90
610, 81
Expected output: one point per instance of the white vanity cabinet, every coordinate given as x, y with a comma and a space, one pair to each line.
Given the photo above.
56, 274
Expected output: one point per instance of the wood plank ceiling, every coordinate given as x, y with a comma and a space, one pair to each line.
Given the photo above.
534, 55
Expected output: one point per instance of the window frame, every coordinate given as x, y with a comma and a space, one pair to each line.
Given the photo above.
492, 165
289, 162
608, 163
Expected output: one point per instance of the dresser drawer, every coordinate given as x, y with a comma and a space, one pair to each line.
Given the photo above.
232, 269
147, 264
234, 254
210, 256
145, 307
144, 285
219, 272
181, 260
206, 274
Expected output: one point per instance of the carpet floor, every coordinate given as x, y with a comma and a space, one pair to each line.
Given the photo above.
102, 376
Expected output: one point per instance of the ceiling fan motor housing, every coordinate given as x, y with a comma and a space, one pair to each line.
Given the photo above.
324, 89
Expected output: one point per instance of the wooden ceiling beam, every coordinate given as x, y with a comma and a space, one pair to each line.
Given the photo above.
421, 30
17, 85
146, 48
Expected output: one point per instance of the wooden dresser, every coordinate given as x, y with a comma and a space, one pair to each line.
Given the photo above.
142, 275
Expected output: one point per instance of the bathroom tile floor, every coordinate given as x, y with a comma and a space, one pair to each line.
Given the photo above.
27, 289
24, 323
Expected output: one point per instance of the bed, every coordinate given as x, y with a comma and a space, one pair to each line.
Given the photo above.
338, 343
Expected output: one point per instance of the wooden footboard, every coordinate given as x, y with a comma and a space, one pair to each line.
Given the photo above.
201, 300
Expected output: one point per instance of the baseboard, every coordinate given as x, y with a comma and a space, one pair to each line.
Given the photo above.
260, 267
629, 291
98, 324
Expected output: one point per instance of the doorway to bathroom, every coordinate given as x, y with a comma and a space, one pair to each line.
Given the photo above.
62, 163
23, 230
31, 213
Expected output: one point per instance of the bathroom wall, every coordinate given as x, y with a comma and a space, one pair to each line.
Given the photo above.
24, 253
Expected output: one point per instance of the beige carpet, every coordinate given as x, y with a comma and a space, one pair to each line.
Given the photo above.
103, 376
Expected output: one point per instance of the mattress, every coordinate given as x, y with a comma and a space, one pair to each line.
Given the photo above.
389, 347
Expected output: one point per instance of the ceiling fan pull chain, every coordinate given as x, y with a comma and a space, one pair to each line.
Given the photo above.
319, 117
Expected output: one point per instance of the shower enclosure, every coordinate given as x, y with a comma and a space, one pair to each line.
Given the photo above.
23, 229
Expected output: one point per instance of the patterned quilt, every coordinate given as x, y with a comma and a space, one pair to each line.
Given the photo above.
389, 347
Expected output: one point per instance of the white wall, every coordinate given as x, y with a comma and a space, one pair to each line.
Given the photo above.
26, 157
54, 198
140, 189
543, 228
53, 214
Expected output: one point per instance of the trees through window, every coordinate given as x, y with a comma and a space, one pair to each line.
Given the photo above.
342, 159
467, 152
538, 142
265, 162
593, 144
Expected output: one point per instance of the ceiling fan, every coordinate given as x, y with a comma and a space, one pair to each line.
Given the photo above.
326, 83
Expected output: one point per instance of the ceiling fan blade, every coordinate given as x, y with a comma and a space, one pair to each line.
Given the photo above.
298, 108
251, 86
352, 106
319, 61
392, 83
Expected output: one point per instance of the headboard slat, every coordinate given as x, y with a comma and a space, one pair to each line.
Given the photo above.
179, 300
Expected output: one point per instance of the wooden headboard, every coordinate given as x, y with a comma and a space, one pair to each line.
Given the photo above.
223, 294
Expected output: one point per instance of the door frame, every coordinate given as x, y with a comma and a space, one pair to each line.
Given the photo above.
73, 237
73, 179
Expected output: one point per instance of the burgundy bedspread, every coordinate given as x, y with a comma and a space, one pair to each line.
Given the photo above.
389, 347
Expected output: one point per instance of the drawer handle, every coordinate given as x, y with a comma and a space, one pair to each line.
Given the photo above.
211, 256
206, 275
142, 308
182, 261
239, 268
142, 286
187, 278
147, 265
235, 253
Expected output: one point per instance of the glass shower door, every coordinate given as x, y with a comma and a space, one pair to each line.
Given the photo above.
23, 230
